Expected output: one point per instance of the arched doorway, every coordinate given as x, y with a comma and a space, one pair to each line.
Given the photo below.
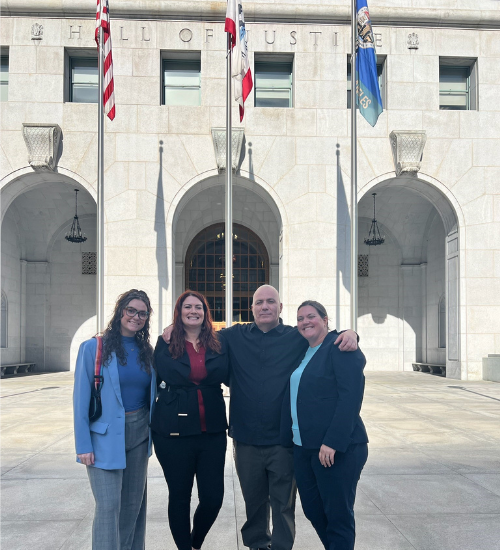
402, 312
256, 217
50, 282
205, 269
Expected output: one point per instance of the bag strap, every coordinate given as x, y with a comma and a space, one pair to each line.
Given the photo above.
97, 368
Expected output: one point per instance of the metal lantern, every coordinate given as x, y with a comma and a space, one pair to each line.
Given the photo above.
75, 233
374, 237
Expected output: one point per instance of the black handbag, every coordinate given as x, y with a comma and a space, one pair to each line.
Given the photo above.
95, 407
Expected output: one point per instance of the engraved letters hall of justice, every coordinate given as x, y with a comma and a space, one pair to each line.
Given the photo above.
186, 35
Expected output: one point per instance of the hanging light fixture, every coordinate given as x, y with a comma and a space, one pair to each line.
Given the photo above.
374, 237
75, 234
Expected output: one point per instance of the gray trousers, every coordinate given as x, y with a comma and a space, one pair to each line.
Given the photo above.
120, 495
268, 484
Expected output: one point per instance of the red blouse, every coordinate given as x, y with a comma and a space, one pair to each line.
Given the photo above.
198, 373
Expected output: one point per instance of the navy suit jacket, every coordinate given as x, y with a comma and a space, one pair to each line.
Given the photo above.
329, 400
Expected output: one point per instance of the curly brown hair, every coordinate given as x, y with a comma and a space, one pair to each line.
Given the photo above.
207, 337
112, 338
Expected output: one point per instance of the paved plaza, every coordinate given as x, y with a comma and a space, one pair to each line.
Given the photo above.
432, 481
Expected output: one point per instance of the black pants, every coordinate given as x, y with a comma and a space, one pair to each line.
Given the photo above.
267, 483
327, 494
181, 459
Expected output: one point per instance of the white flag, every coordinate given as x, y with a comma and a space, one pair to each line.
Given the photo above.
241, 73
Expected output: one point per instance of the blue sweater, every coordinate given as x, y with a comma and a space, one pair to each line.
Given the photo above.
294, 388
134, 381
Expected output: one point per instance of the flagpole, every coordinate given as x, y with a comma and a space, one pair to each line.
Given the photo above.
354, 175
229, 191
100, 190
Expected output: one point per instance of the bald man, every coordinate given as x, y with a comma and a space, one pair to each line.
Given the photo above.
263, 355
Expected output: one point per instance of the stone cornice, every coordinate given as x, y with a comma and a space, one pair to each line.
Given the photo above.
278, 12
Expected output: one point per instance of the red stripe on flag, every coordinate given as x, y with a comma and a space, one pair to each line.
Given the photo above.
247, 84
102, 20
230, 27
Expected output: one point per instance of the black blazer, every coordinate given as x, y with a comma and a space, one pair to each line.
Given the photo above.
177, 412
328, 400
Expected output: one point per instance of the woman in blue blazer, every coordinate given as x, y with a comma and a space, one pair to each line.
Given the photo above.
115, 448
321, 420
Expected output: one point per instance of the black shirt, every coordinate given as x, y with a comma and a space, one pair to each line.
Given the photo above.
260, 367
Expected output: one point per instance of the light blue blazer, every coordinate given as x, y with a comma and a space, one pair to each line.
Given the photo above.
105, 437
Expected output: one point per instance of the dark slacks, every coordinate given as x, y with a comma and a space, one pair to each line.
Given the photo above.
267, 483
183, 458
327, 494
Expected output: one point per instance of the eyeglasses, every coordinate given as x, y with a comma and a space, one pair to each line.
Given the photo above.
132, 312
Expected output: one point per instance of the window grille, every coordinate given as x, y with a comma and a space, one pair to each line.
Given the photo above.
363, 265
89, 263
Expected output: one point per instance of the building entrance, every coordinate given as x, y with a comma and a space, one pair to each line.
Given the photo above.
205, 269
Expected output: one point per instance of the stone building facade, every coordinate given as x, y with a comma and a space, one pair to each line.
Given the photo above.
430, 293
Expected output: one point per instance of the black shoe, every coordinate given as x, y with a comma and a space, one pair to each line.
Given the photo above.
266, 548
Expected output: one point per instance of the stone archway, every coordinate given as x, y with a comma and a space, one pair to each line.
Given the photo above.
399, 301
203, 205
42, 273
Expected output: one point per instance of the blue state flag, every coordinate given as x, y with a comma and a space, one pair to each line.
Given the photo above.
367, 89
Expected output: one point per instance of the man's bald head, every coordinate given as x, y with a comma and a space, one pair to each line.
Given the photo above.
266, 307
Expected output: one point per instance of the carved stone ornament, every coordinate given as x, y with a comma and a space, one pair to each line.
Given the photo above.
219, 139
407, 150
413, 41
36, 31
42, 141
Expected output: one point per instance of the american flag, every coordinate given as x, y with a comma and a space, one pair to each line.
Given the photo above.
102, 20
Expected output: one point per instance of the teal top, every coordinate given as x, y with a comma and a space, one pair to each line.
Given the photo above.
294, 389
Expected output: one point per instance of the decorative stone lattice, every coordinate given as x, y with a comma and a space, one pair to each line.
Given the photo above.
413, 41
89, 263
407, 150
42, 141
219, 139
36, 31
362, 265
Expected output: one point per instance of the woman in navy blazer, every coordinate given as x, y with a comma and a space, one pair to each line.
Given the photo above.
115, 448
189, 423
321, 420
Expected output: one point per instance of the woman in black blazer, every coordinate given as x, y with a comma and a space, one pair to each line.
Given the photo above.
189, 423
321, 420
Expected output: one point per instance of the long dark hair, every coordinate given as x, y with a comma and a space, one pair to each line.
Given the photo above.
320, 308
207, 337
112, 338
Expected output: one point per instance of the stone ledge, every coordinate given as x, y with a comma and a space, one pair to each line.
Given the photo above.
491, 367
201, 10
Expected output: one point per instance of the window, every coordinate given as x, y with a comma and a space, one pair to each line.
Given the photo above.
457, 84
83, 79
382, 79
273, 80
4, 77
4, 321
206, 269
442, 322
181, 78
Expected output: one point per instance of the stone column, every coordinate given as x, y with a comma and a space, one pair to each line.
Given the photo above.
453, 369
423, 279
37, 284
412, 314
22, 312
